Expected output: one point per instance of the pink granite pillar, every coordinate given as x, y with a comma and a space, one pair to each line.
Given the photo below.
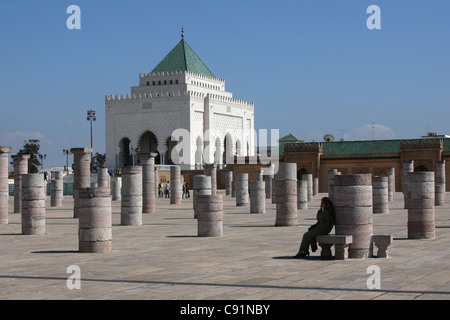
354, 211
211, 170
147, 162
259, 176
20, 168
4, 187
157, 182
391, 183
274, 189
57, 186
131, 206
286, 195
315, 186
421, 217
103, 178
176, 189
95, 223
302, 194
210, 215
380, 192
257, 196
116, 185
81, 173
309, 179
440, 188
408, 166
241, 185
228, 182
202, 186
268, 177
33, 204
331, 174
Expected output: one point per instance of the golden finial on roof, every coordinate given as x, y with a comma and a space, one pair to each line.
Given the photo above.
182, 32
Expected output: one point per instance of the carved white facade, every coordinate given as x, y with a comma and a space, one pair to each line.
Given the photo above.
220, 126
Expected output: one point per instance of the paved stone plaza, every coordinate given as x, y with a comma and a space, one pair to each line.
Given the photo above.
164, 259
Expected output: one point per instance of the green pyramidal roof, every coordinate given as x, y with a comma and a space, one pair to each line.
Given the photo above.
290, 138
183, 58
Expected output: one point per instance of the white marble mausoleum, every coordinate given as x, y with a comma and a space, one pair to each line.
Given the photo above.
179, 93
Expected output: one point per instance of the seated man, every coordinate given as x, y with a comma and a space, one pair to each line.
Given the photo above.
324, 225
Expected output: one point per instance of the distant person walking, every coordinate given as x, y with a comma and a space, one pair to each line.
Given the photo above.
167, 190
160, 191
184, 195
188, 195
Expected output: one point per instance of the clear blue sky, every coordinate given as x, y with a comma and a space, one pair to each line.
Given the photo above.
311, 67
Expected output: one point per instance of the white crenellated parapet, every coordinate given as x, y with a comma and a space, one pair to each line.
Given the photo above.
179, 75
145, 96
222, 98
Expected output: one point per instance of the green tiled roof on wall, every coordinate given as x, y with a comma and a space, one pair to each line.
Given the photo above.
290, 137
446, 144
183, 58
361, 147
364, 147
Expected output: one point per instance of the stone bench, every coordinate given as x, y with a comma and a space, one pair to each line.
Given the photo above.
382, 242
340, 242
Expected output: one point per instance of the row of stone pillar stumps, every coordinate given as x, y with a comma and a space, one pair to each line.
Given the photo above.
280, 187
92, 206
356, 198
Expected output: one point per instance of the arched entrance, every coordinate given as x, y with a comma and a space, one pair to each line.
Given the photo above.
125, 154
228, 152
301, 172
421, 168
148, 143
